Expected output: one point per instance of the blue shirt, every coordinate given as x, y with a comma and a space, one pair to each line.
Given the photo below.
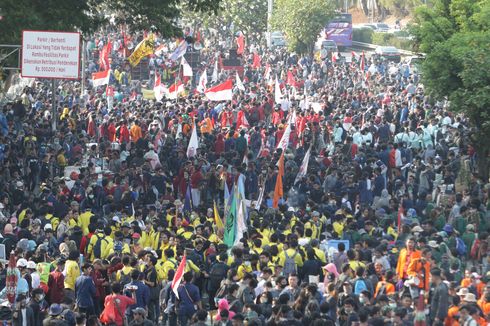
142, 295
188, 297
85, 291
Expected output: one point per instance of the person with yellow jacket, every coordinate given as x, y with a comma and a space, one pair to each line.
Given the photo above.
72, 272
84, 220
169, 264
101, 244
291, 253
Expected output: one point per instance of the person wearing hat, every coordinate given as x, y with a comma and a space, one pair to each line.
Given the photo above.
54, 315
439, 303
35, 278
139, 318
466, 313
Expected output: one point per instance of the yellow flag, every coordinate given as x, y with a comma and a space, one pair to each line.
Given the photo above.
148, 94
146, 47
217, 218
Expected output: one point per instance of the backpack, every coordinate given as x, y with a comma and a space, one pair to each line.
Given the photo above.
217, 273
289, 264
125, 279
460, 246
97, 249
362, 285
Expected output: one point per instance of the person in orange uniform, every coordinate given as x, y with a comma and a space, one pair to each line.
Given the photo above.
419, 268
385, 286
484, 301
135, 132
407, 254
453, 312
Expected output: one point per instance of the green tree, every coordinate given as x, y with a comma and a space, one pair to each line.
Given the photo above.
249, 17
456, 37
302, 21
88, 15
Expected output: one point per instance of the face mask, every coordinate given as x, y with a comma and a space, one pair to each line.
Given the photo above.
348, 311
41, 297
91, 196
263, 300
393, 305
362, 300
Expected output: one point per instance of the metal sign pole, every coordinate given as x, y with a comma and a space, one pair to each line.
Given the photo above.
54, 114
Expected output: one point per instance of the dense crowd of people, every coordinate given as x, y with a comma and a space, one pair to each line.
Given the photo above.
387, 226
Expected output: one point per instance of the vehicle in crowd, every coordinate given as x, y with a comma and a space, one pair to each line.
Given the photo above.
415, 62
378, 27
278, 40
325, 47
339, 30
389, 53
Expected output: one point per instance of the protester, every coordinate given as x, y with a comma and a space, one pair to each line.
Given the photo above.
343, 194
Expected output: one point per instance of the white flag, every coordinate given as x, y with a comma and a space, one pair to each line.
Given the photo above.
304, 166
277, 93
239, 83
261, 197
214, 78
285, 137
203, 81
186, 68
193, 143
241, 226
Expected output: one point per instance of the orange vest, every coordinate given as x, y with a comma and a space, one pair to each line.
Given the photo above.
449, 320
401, 269
422, 271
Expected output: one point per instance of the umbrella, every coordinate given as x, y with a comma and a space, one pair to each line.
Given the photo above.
12, 278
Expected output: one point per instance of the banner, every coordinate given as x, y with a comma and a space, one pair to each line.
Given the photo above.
143, 49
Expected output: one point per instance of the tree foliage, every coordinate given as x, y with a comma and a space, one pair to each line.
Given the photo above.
456, 37
249, 17
88, 15
301, 21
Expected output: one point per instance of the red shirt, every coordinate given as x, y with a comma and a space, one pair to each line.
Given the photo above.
113, 305
56, 284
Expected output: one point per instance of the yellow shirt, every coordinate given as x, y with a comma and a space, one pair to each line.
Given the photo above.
126, 270
72, 272
106, 245
354, 264
84, 221
291, 252
338, 227
320, 255
242, 269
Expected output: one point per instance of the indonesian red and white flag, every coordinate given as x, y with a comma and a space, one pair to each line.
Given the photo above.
186, 68
101, 78
239, 83
283, 144
159, 89
193, 143
334, 57
179, 274
203, 81
221, 92
256, 61
174, 90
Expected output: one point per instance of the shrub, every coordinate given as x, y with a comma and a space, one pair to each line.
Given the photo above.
364, 35
386, 39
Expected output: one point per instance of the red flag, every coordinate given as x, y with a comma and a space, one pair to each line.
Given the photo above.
290, 79
334, 57
256, 62
179, 273
109, 91
353, 54
104, 56
240, 41
278, 190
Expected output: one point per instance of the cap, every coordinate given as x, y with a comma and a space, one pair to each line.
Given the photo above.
315, 213
139, 310
136, 236
116, 219
31, 264
22, 262
55, 309
417, 228
48, 227
470, 227
125, 225
462, 291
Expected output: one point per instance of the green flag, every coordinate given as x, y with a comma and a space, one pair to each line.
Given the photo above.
230, 227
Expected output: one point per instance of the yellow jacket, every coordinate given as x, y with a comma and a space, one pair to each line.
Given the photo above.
72, 272
84, 221
291, 252
106, 245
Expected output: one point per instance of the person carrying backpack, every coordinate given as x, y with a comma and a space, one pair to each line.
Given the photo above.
217, 273
361, 284
290, 259
101, 244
